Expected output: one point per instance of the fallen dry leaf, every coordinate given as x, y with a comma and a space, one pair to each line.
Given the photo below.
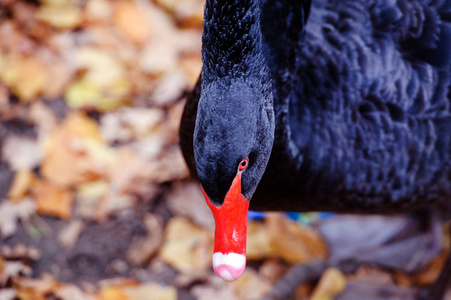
103, 69
52, 200
20, 251
191, 65
151, 290
75, 153
258, 241
60, 74
187, 247
35, 288
132, 22
85, 94
23, 180
89, 197
112, 293
169, 88
186, 199
21, 153
44, 119
332, 282
12, 212
188, 13
11, 269
71, 292
292, 242
27, 77
251, 286
68, 235
98, 11
60, 14
130, 123
280, 237
168, 167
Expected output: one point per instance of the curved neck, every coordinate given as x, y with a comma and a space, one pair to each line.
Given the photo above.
231, 39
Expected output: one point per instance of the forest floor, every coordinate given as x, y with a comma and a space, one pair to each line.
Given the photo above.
95, 198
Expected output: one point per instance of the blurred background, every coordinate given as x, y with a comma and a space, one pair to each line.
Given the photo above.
96, 200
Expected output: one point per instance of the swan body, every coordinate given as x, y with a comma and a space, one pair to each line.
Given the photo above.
335, 105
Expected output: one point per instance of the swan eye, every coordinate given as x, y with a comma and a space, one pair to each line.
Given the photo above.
243, 164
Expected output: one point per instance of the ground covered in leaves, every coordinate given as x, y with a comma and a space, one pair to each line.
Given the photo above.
95, 199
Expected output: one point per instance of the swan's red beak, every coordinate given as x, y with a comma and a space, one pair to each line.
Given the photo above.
229, 257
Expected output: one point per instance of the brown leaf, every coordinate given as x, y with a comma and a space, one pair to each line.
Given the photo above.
52, 200
186, 199
75, 153
68, 235
27, 77
132, 22
112, 293
258, 241
432, 271
90, 197
60, 14
187, 247
23, 180
190, 13
191, 65
11, 269
294, 243
154, 290
44, 119
98, 10
130, 123
332, 282
71, 292
251, 286
169, 88
35, 288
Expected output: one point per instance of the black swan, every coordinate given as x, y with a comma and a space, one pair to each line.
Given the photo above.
335, 105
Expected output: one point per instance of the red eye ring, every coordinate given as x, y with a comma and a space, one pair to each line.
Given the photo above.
243, 164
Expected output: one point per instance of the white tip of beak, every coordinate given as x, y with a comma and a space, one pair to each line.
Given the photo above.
229, 266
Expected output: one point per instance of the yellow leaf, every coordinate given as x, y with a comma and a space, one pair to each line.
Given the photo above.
23, 179
84, 94
152, 291
27, 77
187, 247
98, 10
52, 200
258, 241
75, 153
103, 69
60, 15
294, 243
112, 293
131, 22
332, 282
28, 294
251, 286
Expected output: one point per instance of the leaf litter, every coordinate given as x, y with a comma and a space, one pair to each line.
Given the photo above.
101, 83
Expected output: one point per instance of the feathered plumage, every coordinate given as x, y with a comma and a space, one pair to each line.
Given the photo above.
351, 98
